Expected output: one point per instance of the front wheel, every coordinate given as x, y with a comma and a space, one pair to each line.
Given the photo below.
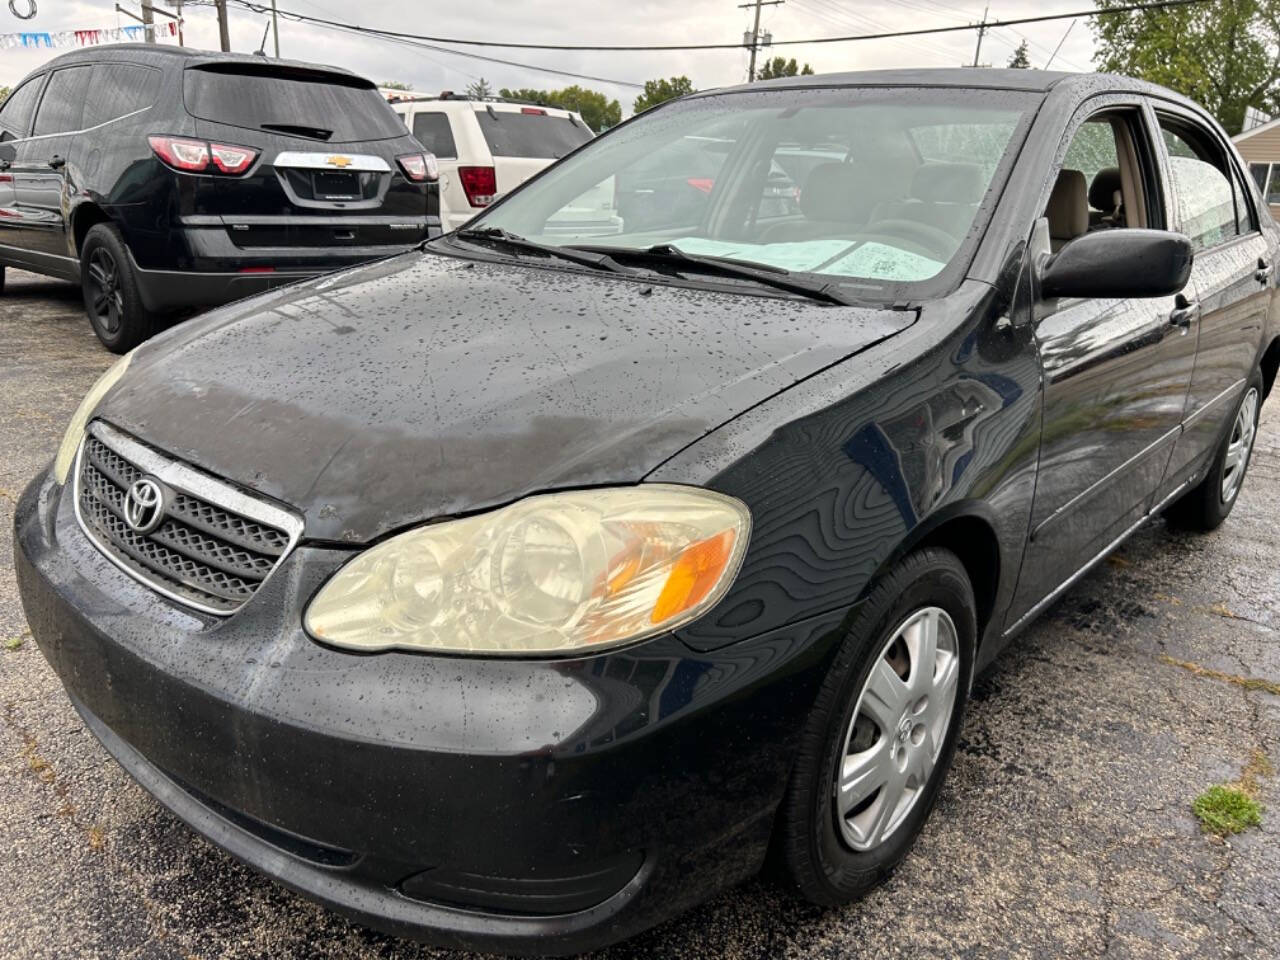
1205, 507
881, 736
110, 288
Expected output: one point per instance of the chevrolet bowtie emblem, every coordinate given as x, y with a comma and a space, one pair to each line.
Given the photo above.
338, 161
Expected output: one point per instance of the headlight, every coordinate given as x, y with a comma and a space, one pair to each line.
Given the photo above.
80, 419
559, 573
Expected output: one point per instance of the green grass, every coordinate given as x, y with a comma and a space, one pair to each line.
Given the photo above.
13, 643
1226, 809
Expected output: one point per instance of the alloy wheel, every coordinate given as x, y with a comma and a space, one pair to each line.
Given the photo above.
106, 299
1240, 446
898, 728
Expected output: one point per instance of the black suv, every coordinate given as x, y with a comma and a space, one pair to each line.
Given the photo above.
164, 179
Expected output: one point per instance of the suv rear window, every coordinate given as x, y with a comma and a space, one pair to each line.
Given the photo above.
319, 105
119, 89
511, 134
433, 132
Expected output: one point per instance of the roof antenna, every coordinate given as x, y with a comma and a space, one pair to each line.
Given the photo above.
262, 46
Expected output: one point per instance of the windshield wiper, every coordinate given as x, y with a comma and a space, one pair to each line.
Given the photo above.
762, 273
298, 130
600, 259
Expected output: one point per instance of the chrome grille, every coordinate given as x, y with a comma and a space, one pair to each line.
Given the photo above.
215, 544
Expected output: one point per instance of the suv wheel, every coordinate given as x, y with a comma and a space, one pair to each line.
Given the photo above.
111, 296
880, 738
1205, 507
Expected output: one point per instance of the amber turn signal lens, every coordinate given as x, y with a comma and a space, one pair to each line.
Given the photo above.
695, 574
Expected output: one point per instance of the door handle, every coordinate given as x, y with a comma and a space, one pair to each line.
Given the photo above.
1185, 312
1264, 271
57, 162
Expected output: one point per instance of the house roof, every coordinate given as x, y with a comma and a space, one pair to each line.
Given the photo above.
1254, 131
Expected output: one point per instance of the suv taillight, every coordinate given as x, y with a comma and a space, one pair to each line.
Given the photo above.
419, 166
480, 184
196, 156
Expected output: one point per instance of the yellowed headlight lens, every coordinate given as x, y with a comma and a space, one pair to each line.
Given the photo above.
560, 573
80, 419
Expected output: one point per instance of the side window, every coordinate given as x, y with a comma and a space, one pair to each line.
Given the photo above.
1102, 184
119, 89
62, 106
1260, 171
1273, 189
15, 115
431, 129
1203, 188
1245, 222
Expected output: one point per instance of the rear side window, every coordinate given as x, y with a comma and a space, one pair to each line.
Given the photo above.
15, 114
1202, 185
511, 134
312, 104
433, 132
119, 89
62, 106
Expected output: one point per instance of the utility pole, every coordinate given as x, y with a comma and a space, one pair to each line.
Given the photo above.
275, 28
754, 43
982, 28
148, 23
224, 34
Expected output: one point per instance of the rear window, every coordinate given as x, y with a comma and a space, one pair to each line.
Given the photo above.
317, 105
61, 108
433, 132
511, 134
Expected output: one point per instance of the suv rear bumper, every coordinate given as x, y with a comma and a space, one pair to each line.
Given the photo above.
164, 291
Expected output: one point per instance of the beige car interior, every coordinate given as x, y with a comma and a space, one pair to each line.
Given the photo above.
1114, 198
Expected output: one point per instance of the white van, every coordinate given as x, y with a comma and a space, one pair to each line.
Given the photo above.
488, 147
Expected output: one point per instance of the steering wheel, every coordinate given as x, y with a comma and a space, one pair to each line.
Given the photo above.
940, 244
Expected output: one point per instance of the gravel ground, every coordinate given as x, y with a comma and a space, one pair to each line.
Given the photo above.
1065, 828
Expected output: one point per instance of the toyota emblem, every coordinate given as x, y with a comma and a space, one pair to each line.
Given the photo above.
144, 506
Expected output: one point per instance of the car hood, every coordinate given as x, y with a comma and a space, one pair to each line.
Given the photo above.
426, 385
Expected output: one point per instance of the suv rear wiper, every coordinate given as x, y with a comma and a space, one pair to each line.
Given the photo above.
600, 259
764, 274
297, 130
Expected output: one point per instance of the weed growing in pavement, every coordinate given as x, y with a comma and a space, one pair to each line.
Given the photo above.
1233, 807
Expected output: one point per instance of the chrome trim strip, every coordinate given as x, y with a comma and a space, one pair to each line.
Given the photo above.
1097, 484
183, 479
320, 161
1225, 394
1072, 580
74, 133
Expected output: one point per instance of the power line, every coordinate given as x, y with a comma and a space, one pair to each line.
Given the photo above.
412, 41
660, 48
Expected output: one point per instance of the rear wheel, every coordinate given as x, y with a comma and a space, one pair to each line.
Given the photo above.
881, 736
1209, 503
2, 279
111, 296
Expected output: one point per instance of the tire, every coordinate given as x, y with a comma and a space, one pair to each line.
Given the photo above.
1205, 506
110, 287
2, 278
827, 857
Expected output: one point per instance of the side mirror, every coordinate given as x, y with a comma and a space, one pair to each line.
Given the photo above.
1122, 262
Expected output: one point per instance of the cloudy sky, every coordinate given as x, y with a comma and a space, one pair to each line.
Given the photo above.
595, 21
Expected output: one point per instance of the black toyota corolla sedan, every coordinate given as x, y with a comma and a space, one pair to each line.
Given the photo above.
521, 591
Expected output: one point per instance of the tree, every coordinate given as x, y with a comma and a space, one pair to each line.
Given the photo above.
778, 67
660, 91
480, 89
4, 94
1020, 60
599, 112
395, 85
1224, 54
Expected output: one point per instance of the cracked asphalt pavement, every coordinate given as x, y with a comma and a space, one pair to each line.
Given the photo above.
1065, 828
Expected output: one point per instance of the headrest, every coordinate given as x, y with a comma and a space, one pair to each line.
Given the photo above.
835, 191
1105, 191
1068, 209
948, 183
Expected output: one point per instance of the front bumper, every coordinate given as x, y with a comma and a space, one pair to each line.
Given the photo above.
537, 807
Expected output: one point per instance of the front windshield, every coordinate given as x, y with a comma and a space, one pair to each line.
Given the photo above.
878, 187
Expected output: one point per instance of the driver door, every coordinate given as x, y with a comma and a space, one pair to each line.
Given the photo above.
1116, 372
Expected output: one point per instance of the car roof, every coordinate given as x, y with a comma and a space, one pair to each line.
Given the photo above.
980, 78
150, 51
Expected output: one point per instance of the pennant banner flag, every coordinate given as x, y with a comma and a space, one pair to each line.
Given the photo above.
85, 38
